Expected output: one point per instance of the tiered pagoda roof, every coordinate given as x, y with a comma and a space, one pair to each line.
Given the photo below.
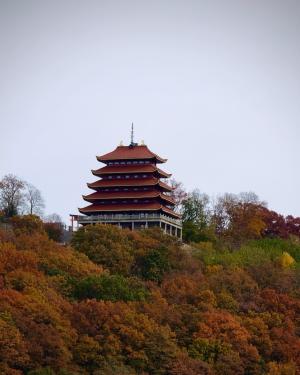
100, 195
146, 168
130, 182
131, 152
151, 181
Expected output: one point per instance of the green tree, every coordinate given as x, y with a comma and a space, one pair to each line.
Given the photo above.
196, 217
154, 265
110, 288
196, 208
106, 245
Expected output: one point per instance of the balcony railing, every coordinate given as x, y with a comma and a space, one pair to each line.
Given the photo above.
130, 217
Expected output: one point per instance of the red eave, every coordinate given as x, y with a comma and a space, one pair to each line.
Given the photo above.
130, 182
122, 182
167, 175
127, 195
130, 169
165, 186
130, 153
171, 212
127, 207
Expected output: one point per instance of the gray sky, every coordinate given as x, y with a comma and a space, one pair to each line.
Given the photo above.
214, 86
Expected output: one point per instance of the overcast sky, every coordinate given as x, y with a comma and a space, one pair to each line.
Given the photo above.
214, 86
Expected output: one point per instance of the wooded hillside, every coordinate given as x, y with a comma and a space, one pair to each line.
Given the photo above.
121, 302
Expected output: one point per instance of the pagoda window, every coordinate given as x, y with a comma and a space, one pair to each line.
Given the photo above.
144, 175
122, 162
135, 162
110, 177
135, 189
127, 176
136, 176
135, 200
126, 189
117, 163
118, 176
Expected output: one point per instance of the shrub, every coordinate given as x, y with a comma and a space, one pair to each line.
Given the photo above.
105, 245
110, 288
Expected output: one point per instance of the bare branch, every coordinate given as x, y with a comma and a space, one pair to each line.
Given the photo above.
34, 202
53, 218
178, 194
11, 194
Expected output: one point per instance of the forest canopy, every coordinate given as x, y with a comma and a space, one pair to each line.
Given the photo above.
226, 300
122, 302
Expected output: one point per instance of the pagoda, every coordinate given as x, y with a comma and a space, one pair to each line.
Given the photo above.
130, 191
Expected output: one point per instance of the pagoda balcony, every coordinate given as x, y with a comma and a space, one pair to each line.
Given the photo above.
91, 219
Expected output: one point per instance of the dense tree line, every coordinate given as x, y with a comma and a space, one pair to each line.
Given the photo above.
233, 218
141, 302
122, 302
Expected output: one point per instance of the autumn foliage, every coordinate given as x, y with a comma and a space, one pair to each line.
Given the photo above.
122, 302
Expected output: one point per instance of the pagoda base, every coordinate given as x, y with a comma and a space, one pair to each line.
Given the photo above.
168, 224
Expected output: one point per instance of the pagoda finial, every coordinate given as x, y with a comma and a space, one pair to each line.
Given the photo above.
132, 140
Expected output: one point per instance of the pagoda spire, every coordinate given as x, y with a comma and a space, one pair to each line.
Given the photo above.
132, 134
132, 143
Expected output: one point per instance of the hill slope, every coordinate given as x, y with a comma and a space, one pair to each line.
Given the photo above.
120, 302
